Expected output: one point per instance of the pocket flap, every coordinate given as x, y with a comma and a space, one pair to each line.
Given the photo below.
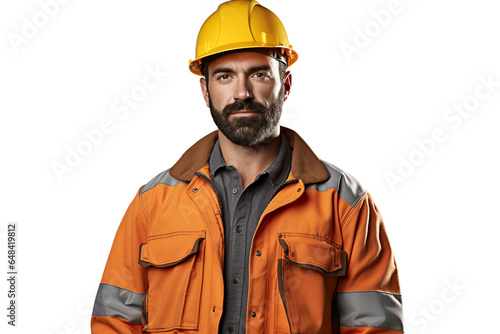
170, 249
312, 252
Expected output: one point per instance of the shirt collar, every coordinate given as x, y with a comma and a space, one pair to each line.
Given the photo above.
278, 170
216, 160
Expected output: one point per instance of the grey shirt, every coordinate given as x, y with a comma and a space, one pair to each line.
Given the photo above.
241, 211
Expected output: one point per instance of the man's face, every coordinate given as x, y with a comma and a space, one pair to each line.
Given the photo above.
245, 96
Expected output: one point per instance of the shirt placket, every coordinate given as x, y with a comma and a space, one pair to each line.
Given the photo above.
240, 211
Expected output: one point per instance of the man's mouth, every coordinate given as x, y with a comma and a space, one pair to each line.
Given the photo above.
244, 112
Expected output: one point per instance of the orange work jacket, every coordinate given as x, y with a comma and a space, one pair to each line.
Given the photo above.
320, 259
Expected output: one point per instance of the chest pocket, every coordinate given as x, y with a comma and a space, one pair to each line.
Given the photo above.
175, 274
308, 270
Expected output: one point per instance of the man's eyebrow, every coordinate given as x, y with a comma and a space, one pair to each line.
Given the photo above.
260, 68
222, 69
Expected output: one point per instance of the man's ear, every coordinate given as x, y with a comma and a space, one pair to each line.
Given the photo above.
287, 84
204, 90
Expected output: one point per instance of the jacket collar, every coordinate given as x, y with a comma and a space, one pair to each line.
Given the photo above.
305, 164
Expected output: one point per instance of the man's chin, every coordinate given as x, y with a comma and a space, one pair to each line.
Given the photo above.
243, 136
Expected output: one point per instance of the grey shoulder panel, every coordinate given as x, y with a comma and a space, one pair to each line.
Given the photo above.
350, 190
162, 178
112, 301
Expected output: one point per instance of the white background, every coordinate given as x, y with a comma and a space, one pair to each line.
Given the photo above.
363, 113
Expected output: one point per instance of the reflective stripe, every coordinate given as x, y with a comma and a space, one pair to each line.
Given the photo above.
162, 178
112, 301
350, 190
370, 309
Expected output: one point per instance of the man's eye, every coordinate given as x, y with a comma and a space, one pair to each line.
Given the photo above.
224, 77
261, 75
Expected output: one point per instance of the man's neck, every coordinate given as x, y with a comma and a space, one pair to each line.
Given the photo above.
249, 161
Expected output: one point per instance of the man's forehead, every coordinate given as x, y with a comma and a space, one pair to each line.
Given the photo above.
269, 56
243, 59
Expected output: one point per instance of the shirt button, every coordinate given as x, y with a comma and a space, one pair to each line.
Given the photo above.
230, 329
253, 314
258, 253
235, 280
235, 191
238, 229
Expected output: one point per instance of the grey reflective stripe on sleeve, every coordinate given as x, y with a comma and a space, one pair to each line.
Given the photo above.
112, 301
370, 309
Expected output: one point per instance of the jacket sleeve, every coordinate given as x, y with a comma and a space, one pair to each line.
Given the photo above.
368, 298
120, 298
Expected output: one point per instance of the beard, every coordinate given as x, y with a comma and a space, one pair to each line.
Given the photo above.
249, 130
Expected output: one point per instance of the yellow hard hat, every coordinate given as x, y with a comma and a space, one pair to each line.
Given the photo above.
241, 24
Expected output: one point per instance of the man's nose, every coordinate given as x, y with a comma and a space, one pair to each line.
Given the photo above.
243, 90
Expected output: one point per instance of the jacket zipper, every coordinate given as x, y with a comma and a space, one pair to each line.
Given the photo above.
281, 285
209, 181
283, 185
206, 178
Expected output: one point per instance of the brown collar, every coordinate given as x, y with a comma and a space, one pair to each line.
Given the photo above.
305, 164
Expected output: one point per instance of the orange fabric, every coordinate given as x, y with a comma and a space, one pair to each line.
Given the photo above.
112, 325
371, 261
185, 287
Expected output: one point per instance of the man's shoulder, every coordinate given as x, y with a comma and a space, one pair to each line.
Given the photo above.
349, 188
163, 178
184, 169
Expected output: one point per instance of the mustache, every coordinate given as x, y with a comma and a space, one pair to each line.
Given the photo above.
243, 105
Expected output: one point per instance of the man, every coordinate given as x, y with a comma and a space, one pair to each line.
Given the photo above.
249, 232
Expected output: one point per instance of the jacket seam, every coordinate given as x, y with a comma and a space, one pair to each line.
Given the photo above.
353, 208
378, 327
375, 291
143, 206
355, 203
116, 316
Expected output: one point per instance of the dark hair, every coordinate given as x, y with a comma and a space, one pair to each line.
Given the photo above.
283, 68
